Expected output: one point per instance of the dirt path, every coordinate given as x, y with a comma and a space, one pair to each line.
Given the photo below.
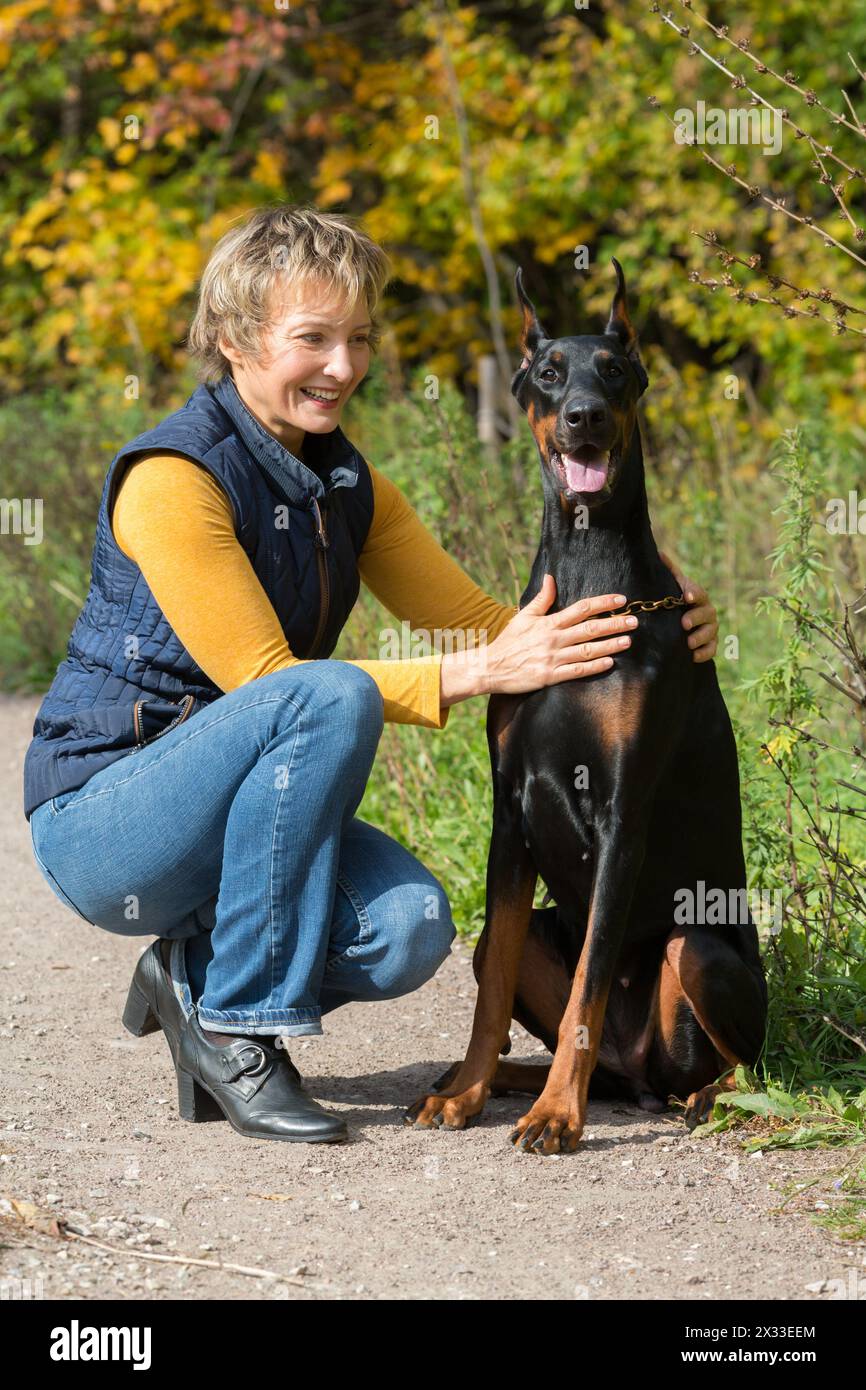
89, 1129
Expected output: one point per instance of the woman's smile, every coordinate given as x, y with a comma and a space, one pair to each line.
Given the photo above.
321, 397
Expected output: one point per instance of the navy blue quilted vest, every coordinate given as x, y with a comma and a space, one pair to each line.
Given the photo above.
127, 678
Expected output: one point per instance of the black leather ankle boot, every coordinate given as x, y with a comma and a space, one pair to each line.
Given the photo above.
255, 1084
152, 1004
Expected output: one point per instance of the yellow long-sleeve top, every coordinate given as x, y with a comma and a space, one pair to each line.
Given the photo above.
173, 519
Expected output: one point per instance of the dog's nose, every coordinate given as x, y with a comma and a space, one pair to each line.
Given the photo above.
586, 413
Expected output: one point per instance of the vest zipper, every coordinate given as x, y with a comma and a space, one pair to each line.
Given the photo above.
186, 705
321, 543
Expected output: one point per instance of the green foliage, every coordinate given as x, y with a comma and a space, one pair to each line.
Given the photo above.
817, 1118
813, 853
137, 134
56, 447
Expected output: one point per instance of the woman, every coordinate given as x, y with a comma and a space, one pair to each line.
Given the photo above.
198, 761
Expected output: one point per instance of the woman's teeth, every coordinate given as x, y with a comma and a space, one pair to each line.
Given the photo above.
321, 395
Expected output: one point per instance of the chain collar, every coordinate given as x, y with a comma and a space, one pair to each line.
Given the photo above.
639, 605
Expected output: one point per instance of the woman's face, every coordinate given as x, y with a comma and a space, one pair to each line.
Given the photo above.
310, 344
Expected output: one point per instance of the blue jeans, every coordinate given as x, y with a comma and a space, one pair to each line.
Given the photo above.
234, 834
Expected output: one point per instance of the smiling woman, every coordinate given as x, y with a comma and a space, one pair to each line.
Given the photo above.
197, 763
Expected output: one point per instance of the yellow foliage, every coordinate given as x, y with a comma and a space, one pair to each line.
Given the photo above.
781, 744
269, 169
120, 182
189, 74
142, 74
337, 192
57, 326
38, 256
110, 130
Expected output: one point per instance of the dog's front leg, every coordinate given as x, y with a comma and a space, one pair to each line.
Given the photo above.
511, 878
555, 1122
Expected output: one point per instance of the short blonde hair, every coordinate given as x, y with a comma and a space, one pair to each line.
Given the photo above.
277, 246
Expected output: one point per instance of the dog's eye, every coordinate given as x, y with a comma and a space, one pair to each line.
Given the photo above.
612, 369
549, 374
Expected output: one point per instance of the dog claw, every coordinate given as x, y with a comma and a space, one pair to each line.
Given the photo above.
446, 1111
699, 1106
547, 1133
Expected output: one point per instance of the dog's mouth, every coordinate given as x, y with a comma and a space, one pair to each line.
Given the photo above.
585, 469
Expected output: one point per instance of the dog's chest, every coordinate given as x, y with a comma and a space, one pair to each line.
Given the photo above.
568, 755
574, 735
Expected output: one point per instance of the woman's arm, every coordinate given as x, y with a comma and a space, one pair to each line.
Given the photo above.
416, 580
172, 518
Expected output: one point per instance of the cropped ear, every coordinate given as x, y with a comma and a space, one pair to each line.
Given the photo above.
531, 332
620, 326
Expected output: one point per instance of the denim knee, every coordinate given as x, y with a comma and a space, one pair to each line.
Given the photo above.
359, 695
344, 691
413, 955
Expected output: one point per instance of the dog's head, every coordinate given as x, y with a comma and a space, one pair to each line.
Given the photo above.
580, 396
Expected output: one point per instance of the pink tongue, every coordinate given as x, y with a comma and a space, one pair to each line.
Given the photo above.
584, 477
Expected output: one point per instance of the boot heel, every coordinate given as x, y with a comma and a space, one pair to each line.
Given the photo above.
193, 1101
138, 1017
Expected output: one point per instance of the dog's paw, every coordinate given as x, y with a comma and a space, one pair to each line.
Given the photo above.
699, 1105
447, 1111
548, 1129
444, 1081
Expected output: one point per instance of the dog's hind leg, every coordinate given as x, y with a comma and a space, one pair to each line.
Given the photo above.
712, 1017
529, 1077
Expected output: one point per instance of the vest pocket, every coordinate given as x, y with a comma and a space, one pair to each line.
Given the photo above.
125, 727
151, 718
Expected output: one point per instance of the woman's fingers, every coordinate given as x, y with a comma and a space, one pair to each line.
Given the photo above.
591, 628
704, 637
692, 592
590, 651
597, 628
706, 653
576, 669
704, 613
584, 608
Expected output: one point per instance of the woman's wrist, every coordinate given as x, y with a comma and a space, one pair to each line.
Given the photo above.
462, 675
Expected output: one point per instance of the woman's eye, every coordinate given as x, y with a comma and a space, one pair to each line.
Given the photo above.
315, 337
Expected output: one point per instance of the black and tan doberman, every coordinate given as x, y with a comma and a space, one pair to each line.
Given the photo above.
620, 791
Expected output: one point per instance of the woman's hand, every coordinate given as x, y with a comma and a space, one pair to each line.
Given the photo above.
700, 620
538, 648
